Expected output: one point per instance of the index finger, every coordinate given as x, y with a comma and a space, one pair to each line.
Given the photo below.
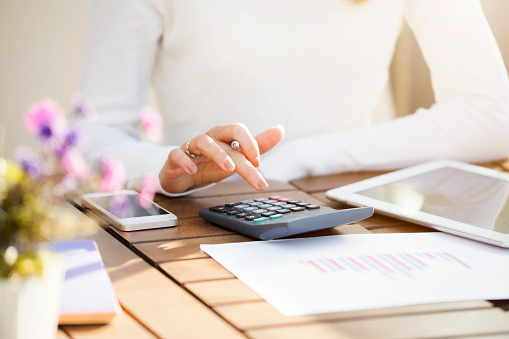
240, 133
246, 170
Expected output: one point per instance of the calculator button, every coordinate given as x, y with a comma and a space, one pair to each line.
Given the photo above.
259, 211
261, 199
275, 216
233, 212
246, 201
278, 203
265, 206
258, 220
273, 208
284, 199
255, 203
275, 197
268, 214
241, 207
293, 201
270, 201
250, 217
249, 209
220, 209
312, 207
297, 209
231, 204
302, 203
287, 206
283, 211
242, 215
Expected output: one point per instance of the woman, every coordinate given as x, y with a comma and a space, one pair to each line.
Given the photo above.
316, 67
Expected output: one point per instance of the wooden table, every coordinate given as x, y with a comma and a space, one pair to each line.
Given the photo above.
168, 288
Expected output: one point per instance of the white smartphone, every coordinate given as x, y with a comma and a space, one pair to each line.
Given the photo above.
128, 210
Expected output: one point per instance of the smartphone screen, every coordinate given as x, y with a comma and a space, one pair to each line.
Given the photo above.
127, 206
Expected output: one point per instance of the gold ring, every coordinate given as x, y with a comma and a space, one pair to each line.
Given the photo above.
189, 153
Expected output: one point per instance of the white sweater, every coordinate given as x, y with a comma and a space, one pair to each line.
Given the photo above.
317, 67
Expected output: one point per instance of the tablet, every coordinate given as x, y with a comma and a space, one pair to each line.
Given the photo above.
450, 196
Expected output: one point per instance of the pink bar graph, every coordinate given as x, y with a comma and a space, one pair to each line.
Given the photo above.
461, 262
399, 262
356, 263
318, 267
335, 263
389, 265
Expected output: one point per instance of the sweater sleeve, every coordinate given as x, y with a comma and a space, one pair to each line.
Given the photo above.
468, 122
119, 52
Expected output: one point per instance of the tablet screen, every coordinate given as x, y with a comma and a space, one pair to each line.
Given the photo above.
462, 196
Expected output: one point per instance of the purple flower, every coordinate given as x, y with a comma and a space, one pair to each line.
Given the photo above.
31, 163
148, 190
152, 124
72, 137
81, 105
46, 131
44, 118
32, 168
113, 174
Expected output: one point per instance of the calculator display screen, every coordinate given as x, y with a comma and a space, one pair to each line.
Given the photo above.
462, 196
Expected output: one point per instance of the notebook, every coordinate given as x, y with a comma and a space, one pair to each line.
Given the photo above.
87, 295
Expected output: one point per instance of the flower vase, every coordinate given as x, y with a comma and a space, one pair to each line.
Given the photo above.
30, 306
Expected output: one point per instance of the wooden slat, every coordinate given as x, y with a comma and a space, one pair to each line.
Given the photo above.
490, 336
503, 304
187, 228
472, 323
61, 334
338, 230
328, 202
162, 251
261, 314
498, 165
402, 228
379, 220
222, 292
186, 271
326, 182
123, 327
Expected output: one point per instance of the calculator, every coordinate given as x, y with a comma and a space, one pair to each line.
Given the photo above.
277, 216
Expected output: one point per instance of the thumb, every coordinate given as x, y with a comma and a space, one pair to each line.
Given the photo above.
269, 138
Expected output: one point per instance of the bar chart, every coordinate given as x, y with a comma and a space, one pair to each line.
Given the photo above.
388, 265
366, 271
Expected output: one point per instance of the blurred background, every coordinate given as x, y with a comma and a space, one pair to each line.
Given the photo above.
40, 55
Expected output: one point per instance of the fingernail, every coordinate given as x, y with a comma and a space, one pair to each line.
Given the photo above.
192, 168
262, 184
256, 162
230, 166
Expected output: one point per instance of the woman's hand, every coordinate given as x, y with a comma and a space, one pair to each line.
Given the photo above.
216, 159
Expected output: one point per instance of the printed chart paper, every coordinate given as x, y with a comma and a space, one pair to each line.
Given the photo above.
364, 271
